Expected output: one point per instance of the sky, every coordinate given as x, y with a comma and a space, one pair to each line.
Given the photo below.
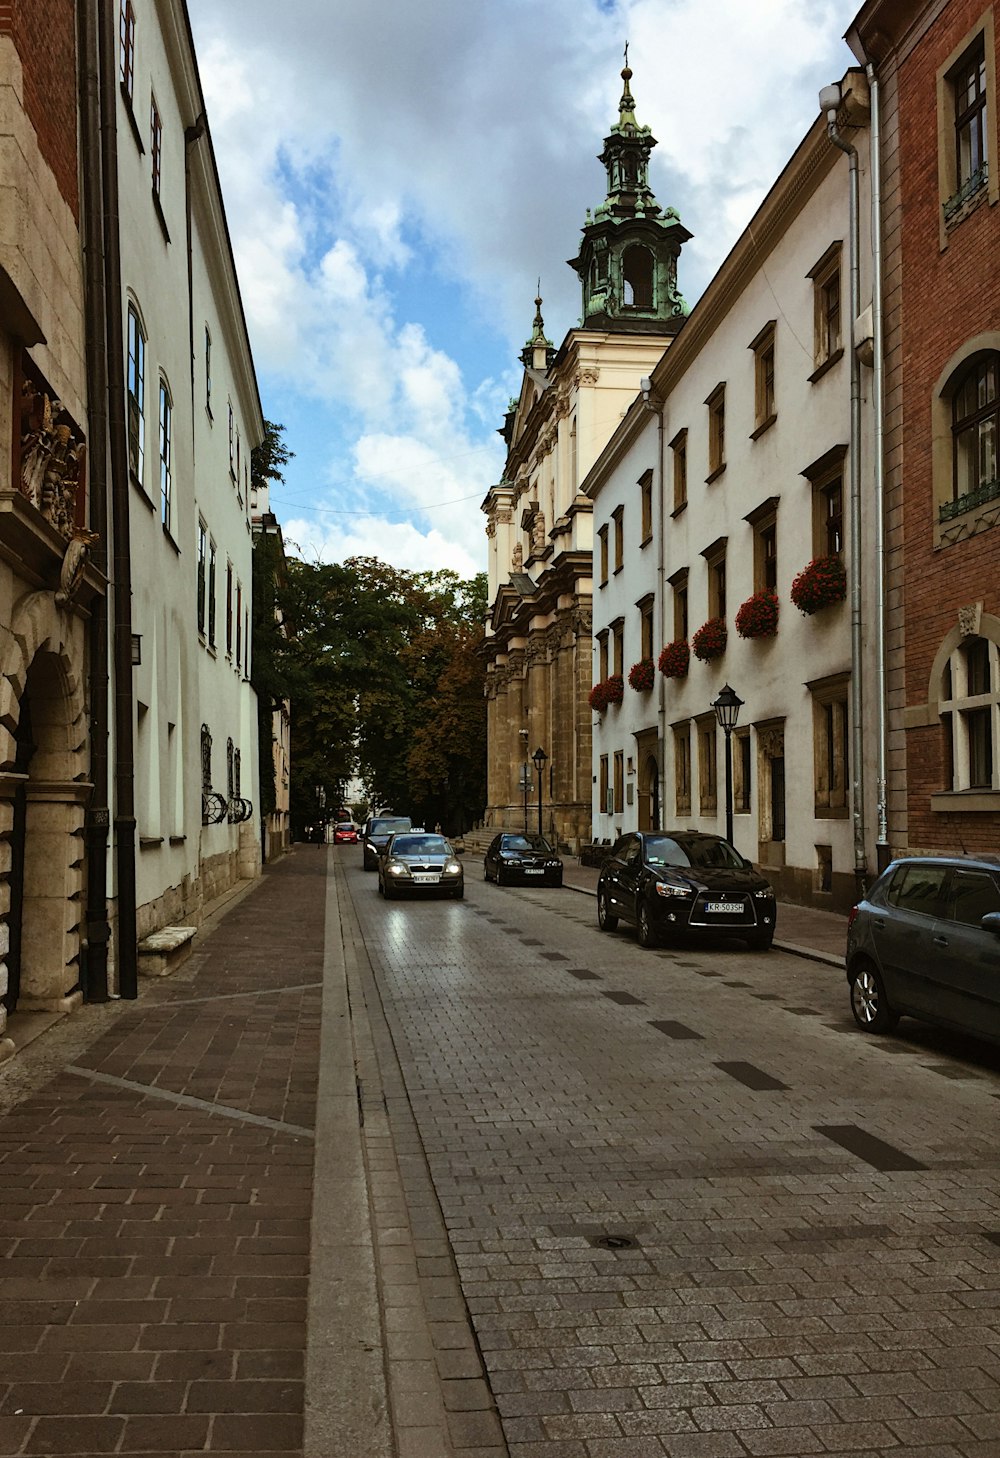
399, 176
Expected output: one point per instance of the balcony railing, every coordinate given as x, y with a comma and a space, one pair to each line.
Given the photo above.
969, 188
988, 491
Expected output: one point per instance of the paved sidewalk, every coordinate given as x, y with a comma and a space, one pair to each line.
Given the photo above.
819, 935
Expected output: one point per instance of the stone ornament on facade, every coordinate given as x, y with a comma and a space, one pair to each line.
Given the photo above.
538, 532
589, 375
771, 743
970, 618
517, 558
73, 564
53, 453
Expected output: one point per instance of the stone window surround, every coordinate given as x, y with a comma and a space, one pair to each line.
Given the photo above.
825, 353
947, 162
765, 407
979, 518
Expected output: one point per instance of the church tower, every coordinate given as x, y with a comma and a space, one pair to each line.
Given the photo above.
627, 262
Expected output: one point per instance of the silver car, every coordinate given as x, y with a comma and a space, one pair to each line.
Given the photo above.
925, 942
413, 863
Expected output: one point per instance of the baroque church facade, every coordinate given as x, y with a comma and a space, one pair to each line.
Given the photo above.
538, 647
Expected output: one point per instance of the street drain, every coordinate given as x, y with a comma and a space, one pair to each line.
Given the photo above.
615, 1242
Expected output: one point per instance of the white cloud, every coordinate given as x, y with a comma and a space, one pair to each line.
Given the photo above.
400, 543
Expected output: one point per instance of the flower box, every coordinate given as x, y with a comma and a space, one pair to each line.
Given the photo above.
710, 639
820, 584
758, 617
642, 675
608, 691
675, 658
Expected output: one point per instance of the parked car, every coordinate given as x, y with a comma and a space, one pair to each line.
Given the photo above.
680, 881
528, 858
414, 864
925, 942
378, 829
345, 833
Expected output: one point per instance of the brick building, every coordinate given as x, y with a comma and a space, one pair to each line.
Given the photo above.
933, 69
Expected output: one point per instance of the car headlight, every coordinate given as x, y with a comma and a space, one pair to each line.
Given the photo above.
452, 868
667, 888
553, 865
512, 860
397, 868
767, 895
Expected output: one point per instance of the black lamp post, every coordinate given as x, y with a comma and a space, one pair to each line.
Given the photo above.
538, 760
525, 784
727, 710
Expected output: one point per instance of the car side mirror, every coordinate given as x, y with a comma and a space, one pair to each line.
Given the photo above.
991, 922
747, 865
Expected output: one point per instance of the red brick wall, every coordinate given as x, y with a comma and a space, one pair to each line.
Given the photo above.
44, 33
947, 297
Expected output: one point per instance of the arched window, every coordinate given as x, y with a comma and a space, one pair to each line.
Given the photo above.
637, 277
136, 393
970, 713
166, 455
975, 427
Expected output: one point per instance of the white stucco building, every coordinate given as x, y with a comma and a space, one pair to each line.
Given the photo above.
732, 471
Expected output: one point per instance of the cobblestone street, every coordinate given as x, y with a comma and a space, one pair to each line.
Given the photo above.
458, 1179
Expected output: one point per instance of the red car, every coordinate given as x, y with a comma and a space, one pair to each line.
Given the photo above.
346, 833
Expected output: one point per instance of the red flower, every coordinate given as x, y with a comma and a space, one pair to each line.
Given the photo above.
819, 584
710, 639
758, 617
674, 659
642, 675
608, 691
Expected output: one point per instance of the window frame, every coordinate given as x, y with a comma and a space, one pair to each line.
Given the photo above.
603, 658
958, 706
603, 784
165, 434
715, 569
742, 751
957, 201
126, 51
646, 506
135, 393
708, 765
823, 475
208, 372
716, 403
828, 346
988, 361
602, 555
679, 474
618, 520
682, 767
155, 145
831, 711
618, 781
617, 630
678, 584
647, 607
765, 399
202, 576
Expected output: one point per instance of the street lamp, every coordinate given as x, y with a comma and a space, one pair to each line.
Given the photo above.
538, 760
727, 710
524, 784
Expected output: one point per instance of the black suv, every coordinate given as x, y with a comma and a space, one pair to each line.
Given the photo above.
378, 829
671, 882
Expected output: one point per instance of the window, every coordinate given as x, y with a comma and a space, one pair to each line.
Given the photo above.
136, 393
208, 370
238, 476
619, 781
716, 403
831, 766
232, 442
918, 888
971, 896
637, 277
741, 771
166, 455
618, 646
966, 111
682, 768
126, 49
229, 609
155, 144
646, 505
679, 587
211, 592
602, 655
826, 478
678, 448
975, 428
239, 624
968, 85
602, 792
206, 760
715, 559
827, 342
618, 517
763, 369
764, 522
602, 549
202, 573
970, 711
707, 785
645, 606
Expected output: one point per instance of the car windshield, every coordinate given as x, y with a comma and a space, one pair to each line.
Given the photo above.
345, 825
526, 842
706, 852
388, 827
420, 845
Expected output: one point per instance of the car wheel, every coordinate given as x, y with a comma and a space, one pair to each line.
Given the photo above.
645, 934
761, 941
605, 920
381, 888
500, 878
869, 1003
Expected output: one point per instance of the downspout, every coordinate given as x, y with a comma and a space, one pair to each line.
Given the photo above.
878, 385
125, 944
96, 831
829, 100
652, 404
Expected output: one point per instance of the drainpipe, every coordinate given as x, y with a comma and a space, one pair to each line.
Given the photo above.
94, 971
878, 505
125, 947
829, 101
655, 406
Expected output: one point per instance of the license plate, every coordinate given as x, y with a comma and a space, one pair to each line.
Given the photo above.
533, 871
426, 878
724, 906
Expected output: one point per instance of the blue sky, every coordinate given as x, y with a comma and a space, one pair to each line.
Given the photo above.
398, 177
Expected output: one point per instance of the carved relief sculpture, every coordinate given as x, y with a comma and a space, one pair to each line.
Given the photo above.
517, 558
969, 619
52, 458
538, 532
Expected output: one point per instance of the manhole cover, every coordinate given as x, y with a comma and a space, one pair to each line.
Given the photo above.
615, 1242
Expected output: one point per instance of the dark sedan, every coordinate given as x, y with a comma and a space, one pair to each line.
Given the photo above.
926, 941
677, 882
525, 858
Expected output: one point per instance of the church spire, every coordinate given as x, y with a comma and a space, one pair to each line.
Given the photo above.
539, 352
628, 256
